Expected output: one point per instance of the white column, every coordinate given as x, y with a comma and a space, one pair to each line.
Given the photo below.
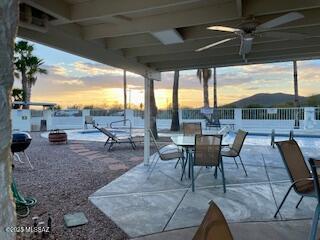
238, 118
47, 115
124, 95
85, 112
309, 117
146, 120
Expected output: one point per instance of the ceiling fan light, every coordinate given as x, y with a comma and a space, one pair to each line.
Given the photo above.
223, 28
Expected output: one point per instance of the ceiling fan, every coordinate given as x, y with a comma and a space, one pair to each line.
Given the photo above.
247, 30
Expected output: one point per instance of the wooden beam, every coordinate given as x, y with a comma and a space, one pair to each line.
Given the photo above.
56, 8
262, 7
235, 59
59, 38
202, 15
131, 41
89, 10
224, 51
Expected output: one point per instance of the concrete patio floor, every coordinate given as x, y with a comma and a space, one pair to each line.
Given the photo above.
156, 207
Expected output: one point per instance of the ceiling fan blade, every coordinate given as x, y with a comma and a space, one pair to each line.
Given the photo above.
214, 44
289, 17
284, 35
224, 29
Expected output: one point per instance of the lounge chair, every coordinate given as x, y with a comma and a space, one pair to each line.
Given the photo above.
300, 176
214, 225
165, 155
208, 153
191, 128
234, 150
113, 139
315, 164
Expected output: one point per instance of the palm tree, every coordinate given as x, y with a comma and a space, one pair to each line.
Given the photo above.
295, 81
28, 66
175, 125
204, 75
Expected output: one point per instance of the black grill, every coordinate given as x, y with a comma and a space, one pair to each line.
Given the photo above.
20, 141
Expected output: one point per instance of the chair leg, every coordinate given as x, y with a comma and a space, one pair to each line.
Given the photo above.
299, 202
152, 168
184, 163
106, 141
216, 172
132, 144
111, 144
192, 174
244, 169
175, 166
314, 227
283, 200
223, 179
235, 161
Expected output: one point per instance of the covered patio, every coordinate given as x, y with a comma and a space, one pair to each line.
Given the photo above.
163, 207
150, 37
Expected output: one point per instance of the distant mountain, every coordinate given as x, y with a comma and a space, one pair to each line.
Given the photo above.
267, 100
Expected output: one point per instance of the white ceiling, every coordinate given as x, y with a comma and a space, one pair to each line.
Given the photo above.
118, 33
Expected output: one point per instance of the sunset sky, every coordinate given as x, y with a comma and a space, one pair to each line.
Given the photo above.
73, 80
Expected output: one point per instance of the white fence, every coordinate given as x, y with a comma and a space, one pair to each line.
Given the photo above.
247, 118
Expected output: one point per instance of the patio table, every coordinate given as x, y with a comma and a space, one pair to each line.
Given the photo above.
187, 143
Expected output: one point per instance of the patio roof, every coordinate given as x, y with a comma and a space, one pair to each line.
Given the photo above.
125, 33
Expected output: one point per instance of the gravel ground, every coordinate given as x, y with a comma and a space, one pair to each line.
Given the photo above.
63, 178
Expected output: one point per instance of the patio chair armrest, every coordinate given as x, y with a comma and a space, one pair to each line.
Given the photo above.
301, 180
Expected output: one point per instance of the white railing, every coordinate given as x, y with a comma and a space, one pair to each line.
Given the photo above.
273, 113
223, 113
247, 118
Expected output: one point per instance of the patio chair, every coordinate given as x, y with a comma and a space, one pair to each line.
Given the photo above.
234, 150
300, 176
191, 128
208, 153
315, 164
213, 226
164, 155
113, 139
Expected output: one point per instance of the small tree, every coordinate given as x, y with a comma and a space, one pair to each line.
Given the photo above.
28, 66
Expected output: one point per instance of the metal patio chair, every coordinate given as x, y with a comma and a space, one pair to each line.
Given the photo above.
214, 225
299, 173
190, 129
315, 164
113, 139
208, 153
234, 150
165, 155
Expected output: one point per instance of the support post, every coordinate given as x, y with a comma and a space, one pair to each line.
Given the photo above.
296, 93
146, 120
124, 95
